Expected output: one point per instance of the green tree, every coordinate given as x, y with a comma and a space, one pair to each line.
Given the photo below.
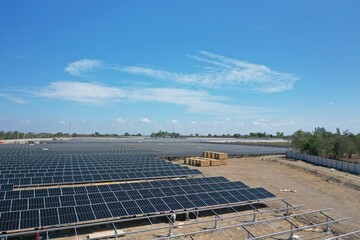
300, 140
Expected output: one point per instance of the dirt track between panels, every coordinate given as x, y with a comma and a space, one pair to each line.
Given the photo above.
316, 187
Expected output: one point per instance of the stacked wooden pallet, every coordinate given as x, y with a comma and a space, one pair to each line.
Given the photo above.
209, 159
221, 156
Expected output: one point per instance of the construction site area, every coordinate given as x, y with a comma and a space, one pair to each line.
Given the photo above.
130, 190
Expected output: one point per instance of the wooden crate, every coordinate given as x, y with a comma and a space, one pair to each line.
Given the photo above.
222, 156
204, 162
214, 162
193, 161
223, 161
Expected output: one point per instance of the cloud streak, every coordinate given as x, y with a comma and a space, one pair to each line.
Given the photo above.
80, 67
12, 98
144, 120
196, 101
225, 73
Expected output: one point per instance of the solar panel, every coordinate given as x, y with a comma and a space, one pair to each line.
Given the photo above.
117, 209
82, 199
101, 211
5, 205
30, 219
9, 221
27, 194
146, 206
131, 207
19, 204
67, 200
52, 202
159, 205
85, 213
67, 215
36, 203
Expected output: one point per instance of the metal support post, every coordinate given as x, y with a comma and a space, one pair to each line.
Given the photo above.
171, 225
254, 215
116, 232
170, 228
292, 231
327, 226
196, 214
216, 222
287, 206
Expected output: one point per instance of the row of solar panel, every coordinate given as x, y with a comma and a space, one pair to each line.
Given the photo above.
13, 169
35, 181
68, 158
74, 214
79, 165
177, 148
129, 190
92, 172
110, 187
17, 204
65, 164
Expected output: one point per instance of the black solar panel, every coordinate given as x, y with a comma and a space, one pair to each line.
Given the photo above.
67, 215
101, 211
9, 221
30, 219
85, 213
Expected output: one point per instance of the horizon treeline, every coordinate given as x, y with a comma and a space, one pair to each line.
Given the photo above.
23, 135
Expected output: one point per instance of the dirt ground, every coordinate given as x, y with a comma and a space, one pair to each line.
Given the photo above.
316, 187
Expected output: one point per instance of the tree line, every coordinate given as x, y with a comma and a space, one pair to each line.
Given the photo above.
26, 135
323, 143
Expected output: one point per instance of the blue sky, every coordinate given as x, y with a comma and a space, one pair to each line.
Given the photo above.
188, 66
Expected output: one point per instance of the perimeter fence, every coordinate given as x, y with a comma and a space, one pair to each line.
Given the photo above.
349, 167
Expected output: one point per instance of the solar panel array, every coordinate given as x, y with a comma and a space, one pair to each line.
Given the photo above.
74, 168
49, 203
152, 147
56, 206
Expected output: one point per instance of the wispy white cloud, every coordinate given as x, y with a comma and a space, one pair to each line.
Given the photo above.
270, 124
62, 122
197, 101
78, 68
174, 121
120, 120
223, 72
81, 92
25, 122
144, 120
13, 98
330, 104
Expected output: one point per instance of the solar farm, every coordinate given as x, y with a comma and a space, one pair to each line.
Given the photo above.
66, 189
